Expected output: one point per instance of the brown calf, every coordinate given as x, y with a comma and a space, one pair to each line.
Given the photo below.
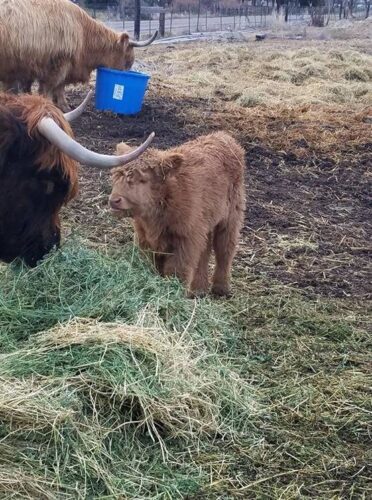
184, 202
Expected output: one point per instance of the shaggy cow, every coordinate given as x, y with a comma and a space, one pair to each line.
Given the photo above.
38, 173
57, 43
183, 202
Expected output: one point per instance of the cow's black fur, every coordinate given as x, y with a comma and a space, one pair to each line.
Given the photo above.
30, 196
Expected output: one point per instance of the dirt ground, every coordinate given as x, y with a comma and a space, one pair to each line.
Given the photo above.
308, 218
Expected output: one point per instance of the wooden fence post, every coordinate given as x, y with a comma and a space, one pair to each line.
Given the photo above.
162, 24
122, 12
137, 19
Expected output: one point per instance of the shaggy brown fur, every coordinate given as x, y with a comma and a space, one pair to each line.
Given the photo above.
57, 43
184, 202
36, 179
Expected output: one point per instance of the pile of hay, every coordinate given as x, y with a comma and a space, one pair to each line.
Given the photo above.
251, 75
116, 404
113, 385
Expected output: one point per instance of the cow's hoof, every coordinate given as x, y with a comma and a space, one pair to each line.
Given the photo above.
65, 108
62, 105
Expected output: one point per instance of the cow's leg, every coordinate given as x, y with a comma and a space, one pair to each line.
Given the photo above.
26, 86
59, 98
200, 283
12, 87
45, 90
55, 94
225, 240
53, 87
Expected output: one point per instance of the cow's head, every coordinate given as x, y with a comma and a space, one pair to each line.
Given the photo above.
123, 56
38, 173
144, 187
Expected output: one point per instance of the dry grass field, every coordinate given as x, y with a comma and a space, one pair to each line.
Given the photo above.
113, 385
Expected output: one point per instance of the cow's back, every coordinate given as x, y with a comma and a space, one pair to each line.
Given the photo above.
36, 33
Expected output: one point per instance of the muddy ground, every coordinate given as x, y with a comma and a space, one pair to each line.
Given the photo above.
308, 218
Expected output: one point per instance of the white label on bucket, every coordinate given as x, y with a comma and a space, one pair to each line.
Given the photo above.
118, 92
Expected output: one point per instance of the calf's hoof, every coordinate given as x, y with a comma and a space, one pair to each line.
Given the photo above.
221, 291
196, 294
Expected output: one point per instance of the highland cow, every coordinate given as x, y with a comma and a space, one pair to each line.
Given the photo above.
183, 202
38, 173
57, 43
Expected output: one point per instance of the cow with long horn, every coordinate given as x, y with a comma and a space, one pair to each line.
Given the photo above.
57, 43
38, 173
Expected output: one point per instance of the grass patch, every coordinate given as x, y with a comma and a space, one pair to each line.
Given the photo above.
113, 384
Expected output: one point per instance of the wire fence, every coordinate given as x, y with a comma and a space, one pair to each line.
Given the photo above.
175, 23
190, 22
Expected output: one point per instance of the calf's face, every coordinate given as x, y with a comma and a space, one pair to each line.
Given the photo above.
141, 188
131, 192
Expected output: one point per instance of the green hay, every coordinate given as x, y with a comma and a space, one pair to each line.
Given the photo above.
110, 407
114, 385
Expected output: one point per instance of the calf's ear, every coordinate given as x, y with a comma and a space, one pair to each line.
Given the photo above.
122, 149
171, 162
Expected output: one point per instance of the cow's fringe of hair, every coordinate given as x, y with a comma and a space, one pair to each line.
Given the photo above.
31, 109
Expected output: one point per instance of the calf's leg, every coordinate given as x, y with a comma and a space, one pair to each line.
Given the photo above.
183, 262
200, 284
141, 241
225, 240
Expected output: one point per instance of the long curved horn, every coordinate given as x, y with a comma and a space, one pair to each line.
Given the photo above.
144, 43
51, 131
75, 113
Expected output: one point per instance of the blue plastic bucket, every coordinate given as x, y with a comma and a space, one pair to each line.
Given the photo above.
120, 91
